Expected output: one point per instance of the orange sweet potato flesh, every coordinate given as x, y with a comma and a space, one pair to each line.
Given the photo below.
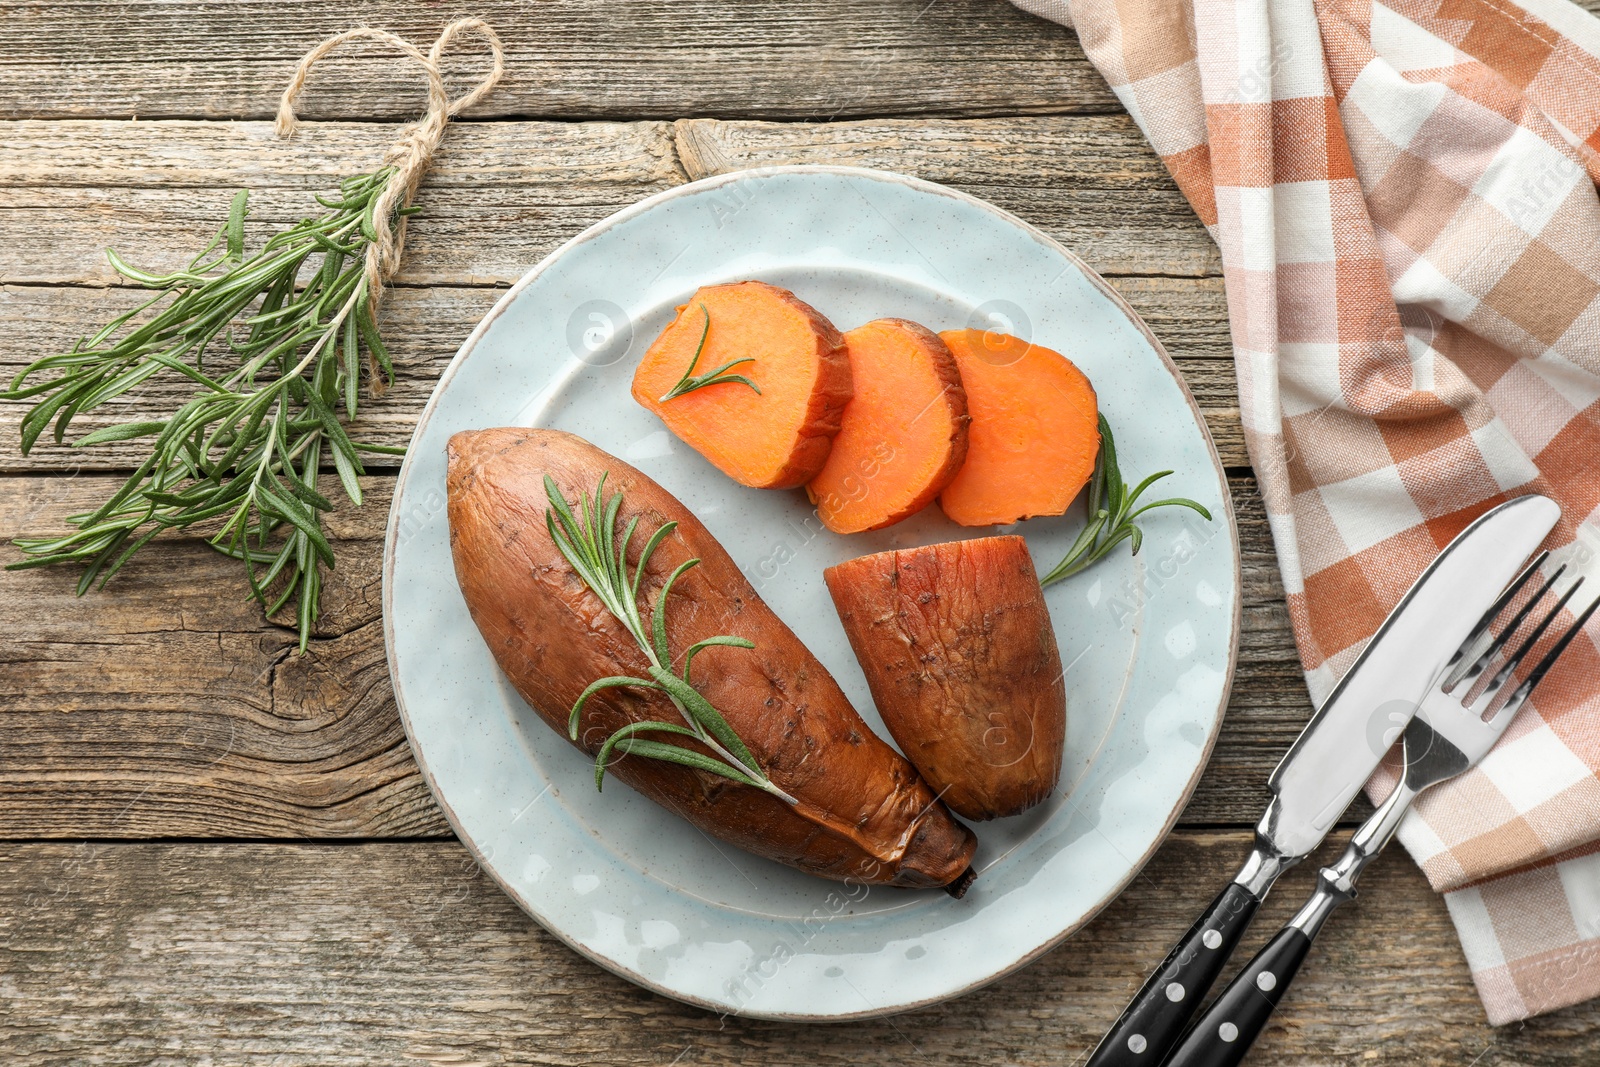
957, 647
778, 438
1034, 434
863, 812
904, 434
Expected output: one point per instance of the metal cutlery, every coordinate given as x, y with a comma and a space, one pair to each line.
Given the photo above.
1333, 757
1448, 735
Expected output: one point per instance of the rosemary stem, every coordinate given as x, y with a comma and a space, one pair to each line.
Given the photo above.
1111, 513
704, 737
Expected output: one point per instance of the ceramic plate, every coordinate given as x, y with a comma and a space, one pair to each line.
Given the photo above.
1148, 641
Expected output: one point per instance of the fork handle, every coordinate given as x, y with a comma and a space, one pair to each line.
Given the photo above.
1155, 1018
1223, 1035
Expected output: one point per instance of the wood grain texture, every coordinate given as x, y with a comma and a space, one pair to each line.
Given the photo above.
1090, 181
497, 199
806, 59
166, 706
373, 954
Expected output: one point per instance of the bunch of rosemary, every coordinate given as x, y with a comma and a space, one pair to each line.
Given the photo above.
272, 345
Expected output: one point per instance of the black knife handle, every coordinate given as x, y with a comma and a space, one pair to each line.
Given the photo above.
1154, 1020
1233, 1022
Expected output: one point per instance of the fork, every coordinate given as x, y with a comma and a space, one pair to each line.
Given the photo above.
1448, 735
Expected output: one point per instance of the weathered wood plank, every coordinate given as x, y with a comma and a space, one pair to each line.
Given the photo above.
425, 327
570, 59
165, 706
498, 197
381, 954
501, 195
808, 59
1092, 182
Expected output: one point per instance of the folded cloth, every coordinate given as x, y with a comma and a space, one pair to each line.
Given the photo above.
1403, 194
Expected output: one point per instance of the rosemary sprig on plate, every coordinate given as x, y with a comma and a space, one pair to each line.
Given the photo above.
588, 541
1111, 512
692, 381
244, 451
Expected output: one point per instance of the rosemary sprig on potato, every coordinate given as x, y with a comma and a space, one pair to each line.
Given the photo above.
588, 541
692, 381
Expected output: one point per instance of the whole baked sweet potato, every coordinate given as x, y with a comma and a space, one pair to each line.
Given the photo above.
861, 813
959, 652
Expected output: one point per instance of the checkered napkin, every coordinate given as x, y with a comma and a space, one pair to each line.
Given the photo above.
1404, 195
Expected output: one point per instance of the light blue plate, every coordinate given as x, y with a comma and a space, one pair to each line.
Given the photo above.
1149, 642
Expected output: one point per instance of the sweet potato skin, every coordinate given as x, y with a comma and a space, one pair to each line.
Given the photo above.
959, 652
736, 406
863, 813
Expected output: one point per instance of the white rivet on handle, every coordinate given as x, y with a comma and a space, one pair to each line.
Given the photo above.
1137, 1044
1174, 992
1266, 981
1211, 939
1227, 1031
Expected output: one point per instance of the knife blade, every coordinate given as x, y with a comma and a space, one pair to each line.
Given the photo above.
1333, 757
1324, 769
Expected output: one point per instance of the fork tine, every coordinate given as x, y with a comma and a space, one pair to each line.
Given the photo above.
1496, 683
1469, 676
1478, 640
1535, 676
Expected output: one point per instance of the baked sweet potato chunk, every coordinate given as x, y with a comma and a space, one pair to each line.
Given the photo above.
959, 652
862, 812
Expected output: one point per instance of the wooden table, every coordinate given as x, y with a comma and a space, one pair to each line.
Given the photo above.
218, 851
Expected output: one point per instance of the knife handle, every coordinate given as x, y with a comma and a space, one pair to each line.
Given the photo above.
1153, 1022
1235, 1019
1222, 1036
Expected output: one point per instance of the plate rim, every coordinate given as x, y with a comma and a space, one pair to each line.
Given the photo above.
694, 187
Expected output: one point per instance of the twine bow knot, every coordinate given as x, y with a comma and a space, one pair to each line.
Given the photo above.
413, 150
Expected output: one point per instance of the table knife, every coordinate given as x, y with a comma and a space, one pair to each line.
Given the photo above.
1333, 757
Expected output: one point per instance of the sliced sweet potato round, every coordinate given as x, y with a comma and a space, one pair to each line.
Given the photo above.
904, 433
774, 431
1034, 434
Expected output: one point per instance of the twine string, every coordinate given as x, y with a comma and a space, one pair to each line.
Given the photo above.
413, 150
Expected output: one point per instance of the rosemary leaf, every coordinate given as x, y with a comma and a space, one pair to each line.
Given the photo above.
613, 682
691, 381
604, 757
635, 746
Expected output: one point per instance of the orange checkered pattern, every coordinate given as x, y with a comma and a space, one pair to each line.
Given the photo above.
1404, 196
